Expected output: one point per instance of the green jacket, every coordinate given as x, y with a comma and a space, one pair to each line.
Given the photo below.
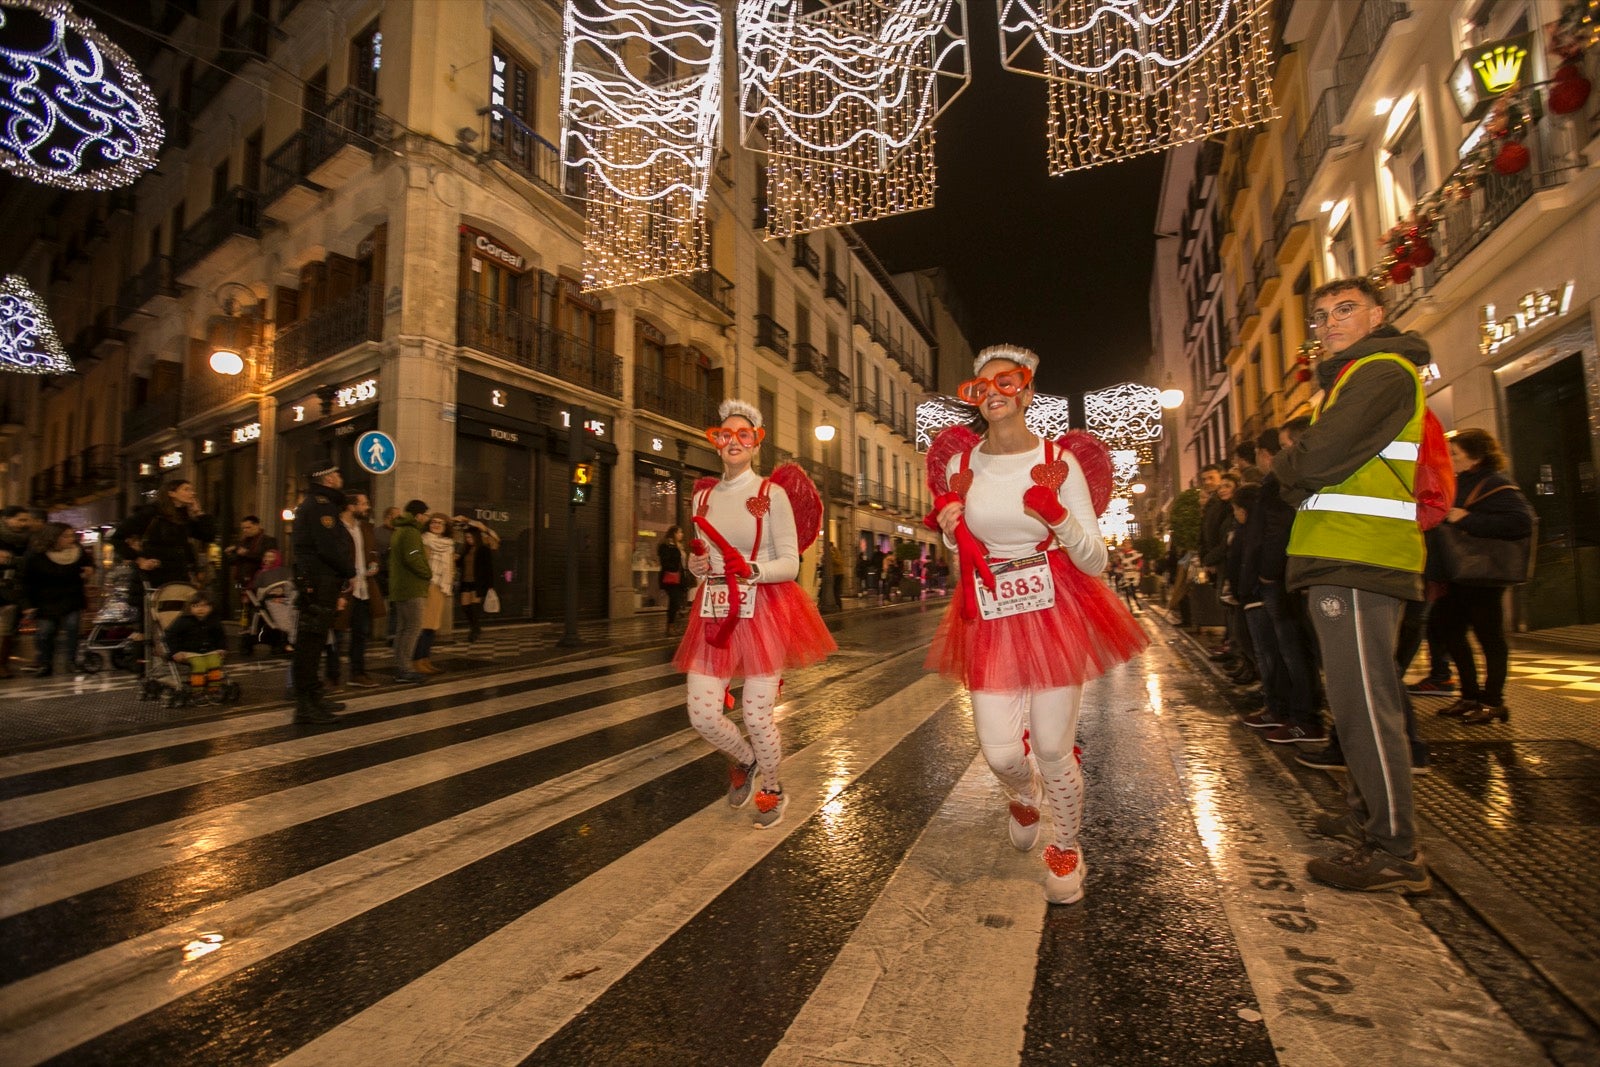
409, 572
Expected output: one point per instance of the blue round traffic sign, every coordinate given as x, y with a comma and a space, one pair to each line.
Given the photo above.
375, 452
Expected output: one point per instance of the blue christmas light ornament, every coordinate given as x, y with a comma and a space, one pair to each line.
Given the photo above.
28, 341
74, 111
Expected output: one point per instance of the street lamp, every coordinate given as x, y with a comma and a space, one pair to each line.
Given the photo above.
827, 601
1171, 397
233, 332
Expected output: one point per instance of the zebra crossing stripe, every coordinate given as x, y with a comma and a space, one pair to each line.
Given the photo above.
500, 998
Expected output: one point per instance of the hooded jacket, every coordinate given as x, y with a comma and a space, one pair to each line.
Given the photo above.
409, 572
1374, 406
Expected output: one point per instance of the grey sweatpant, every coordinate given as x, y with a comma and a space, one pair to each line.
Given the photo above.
1358, 632
405, 619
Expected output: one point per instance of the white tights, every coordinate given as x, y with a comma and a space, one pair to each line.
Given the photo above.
707, 716
1051, 718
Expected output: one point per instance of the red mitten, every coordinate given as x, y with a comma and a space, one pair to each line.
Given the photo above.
735, 565
697, 547
942, 501
1043, 502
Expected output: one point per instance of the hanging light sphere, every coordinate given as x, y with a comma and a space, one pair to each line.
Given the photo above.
824, 432
1138, 488
1171, 398
226, 362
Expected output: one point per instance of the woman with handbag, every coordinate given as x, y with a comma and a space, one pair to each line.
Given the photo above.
477, 578
1489, 508
670, 556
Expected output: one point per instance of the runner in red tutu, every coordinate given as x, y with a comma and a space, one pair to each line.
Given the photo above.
1030, 621
750, 618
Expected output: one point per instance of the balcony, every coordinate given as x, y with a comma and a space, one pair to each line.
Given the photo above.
712, 287
325, 153
862, 315
227, 231
540, 162
160, 413
833, 288
209, 391
327, 331
838, 383
1367, 34
898, 355
870, 493
1319, 136
771, 336
245, 42
867, 402
1266, 270
497, 330
806, 257
808, 359
841, 488
153, 282
1287, 230
691, 407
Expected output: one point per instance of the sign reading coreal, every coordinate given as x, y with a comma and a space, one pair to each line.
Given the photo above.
1487, 71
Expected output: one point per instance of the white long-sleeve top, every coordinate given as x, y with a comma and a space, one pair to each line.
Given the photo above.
778, 555
995, 513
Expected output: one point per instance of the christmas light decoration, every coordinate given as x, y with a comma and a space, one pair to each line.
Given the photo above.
641, 108
1128, 77
77, 113
1126, 416
1048, 416
842, 100
28, 341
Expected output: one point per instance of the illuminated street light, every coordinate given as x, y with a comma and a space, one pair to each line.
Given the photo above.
827, 601
1137, 488
1171, 398
226, 361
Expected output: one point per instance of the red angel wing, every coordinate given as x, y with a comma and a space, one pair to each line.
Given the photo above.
803, 498
1095, 459
951, 442
702, 484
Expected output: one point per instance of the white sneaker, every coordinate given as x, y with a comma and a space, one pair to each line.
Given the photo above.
769, 809
1024, 826
1063, 875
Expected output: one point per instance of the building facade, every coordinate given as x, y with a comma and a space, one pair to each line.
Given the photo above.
1393, 118
366, 201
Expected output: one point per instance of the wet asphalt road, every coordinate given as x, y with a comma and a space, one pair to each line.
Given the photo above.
535, 866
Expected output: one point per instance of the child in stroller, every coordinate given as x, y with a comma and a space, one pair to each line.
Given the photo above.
111, 643
196, 641
272, 616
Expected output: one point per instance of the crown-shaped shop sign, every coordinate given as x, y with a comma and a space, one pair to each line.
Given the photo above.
1487, 71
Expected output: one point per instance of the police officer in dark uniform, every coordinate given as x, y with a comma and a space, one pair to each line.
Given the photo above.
324, 564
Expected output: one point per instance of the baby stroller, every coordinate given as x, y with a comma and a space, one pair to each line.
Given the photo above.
110, 644
164, 679
273, 616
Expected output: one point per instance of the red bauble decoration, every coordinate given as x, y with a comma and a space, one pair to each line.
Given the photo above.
1571, 90
1400, 273
1422, 252
1303, 374
1512, 158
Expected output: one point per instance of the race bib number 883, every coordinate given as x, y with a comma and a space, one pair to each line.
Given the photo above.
1020, 585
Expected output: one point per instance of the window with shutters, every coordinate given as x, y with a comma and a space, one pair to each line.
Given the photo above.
513, 93
650, 347
366, 57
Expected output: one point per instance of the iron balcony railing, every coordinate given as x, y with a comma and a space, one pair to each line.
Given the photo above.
655, 392
867, 402
713, 287
1318, 136
153, 280
807, 358
770, 335
159, 413
351, 118
833, 288
806, 257
237, 213
540, 162
841, 486
1361, 45
1266, 265
513, 335
208, 391
871, 493
838, 382
863, 315
1283, 216
327, 331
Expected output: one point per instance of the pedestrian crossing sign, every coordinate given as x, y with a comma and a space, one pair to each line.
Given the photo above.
375, 452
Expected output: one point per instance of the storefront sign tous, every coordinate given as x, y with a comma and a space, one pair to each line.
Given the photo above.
1534, 309
170, 460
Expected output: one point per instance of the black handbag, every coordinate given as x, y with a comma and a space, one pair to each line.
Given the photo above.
1465, 559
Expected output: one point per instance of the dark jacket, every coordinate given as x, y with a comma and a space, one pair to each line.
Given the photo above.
245, 567
372, 557
1504, 515
1250, 538
167, 539
54, 590
1277, 518
190, 634
15, 545
480, 561
324, 557
1215, 521
1374, 405
409, 572
671, 559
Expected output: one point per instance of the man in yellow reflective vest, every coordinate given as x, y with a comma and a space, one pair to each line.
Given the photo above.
1357, 551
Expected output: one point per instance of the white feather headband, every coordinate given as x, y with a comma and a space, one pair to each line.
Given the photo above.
740, 408
1015, 353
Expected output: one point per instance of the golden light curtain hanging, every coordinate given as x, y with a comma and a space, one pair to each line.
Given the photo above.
842, 100
1127, 77
641, 112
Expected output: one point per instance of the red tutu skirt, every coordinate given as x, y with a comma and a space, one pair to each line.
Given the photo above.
1085, 634
785, 633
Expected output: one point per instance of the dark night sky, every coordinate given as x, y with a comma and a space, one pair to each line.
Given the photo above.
1061, 265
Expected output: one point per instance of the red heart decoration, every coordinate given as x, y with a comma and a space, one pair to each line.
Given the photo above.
960, 482
758, 505
1051, 475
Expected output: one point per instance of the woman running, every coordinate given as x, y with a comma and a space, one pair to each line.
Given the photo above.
750, 619
1030, 621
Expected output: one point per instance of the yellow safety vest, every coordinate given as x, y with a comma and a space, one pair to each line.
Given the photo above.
1371, 517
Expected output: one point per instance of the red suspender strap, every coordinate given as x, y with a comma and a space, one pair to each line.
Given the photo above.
1049, 458
972, 554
